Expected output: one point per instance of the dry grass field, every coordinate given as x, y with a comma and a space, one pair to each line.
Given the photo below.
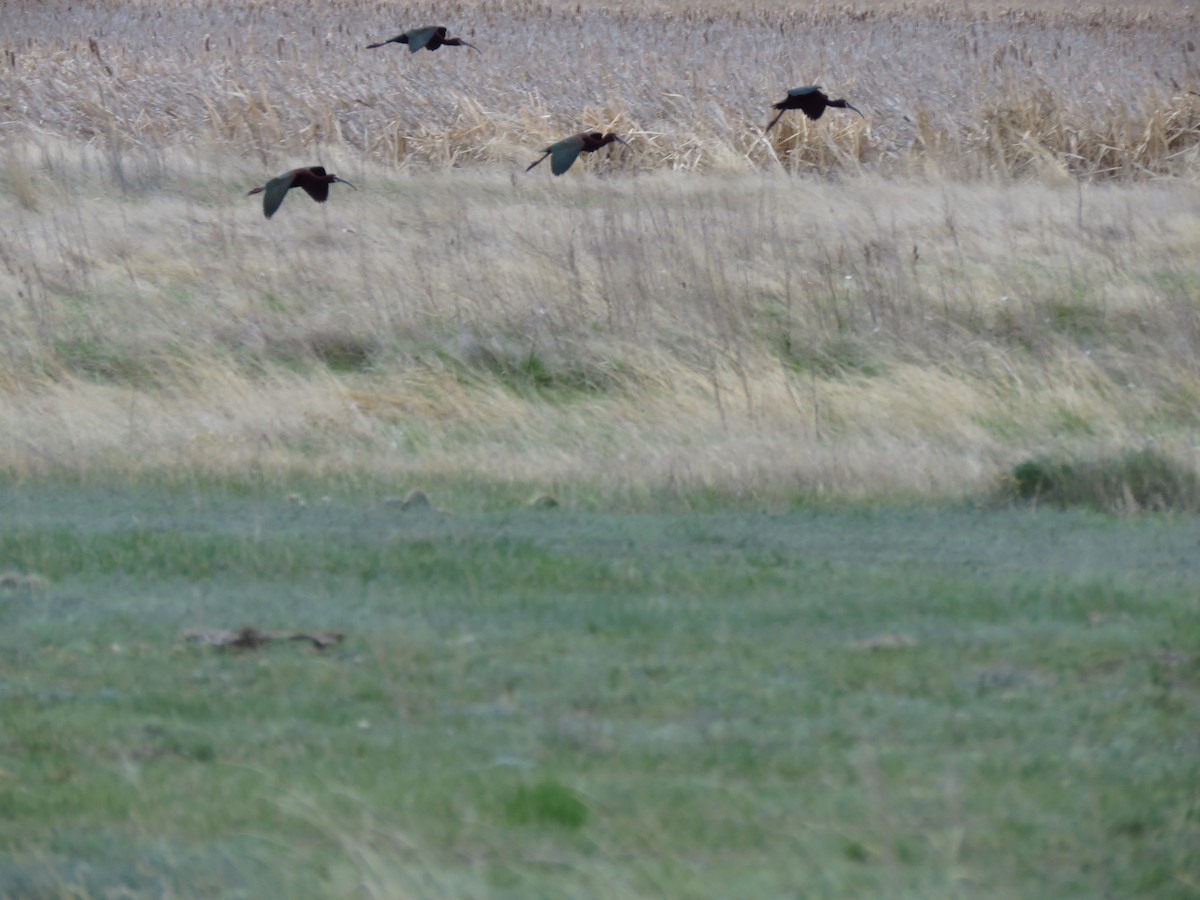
1046, 90
714, 591
999, 260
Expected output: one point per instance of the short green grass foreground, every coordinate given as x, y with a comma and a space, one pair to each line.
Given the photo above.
539, 702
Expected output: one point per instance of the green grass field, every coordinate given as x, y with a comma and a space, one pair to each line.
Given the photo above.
874, 569
878, 701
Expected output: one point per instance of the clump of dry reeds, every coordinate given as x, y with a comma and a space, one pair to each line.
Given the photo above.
959, 91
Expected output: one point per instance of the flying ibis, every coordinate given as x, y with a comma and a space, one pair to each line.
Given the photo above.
313, 180
564, 153
810, 100
428, 38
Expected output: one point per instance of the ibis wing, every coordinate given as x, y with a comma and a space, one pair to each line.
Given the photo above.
563, 154
812, 107
418, 38
808, 99
274, 191
318, 190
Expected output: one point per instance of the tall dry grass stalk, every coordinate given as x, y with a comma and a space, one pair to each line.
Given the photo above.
959, 90
757, 334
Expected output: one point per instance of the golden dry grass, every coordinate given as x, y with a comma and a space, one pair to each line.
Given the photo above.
755, 334
1043, 89
999, 261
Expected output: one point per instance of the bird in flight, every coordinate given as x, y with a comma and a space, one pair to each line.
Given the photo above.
428, 38
313, 180
564, 153
810, 100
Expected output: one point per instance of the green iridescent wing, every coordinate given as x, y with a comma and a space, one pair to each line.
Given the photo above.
274, 191
419, 37
564, 153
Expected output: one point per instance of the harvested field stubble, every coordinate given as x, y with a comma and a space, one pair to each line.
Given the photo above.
962, 91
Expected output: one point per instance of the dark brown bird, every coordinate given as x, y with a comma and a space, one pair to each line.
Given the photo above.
564, 153
810, 100
429, 38
313, 180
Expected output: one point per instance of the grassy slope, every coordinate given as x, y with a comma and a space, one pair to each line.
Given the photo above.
986, 267
539, 703
760, 335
